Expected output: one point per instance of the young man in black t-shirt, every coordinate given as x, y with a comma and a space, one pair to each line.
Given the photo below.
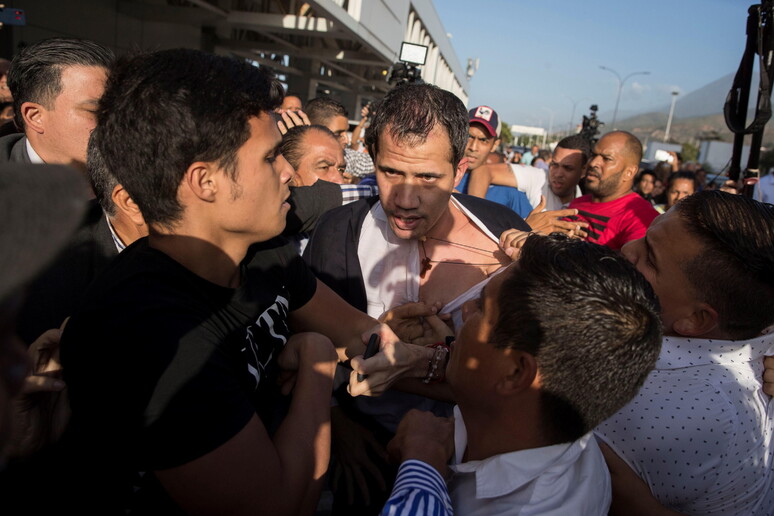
172, 362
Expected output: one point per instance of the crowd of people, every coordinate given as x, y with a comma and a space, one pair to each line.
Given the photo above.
196, 260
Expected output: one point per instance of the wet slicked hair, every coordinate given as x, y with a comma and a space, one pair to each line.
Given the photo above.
734, 272
411, 111
36, 71
165, 110
590, 320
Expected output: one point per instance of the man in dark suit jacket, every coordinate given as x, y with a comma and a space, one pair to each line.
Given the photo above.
56, 84
416, 243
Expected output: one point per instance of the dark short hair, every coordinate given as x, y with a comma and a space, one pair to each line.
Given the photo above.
590, 320
409, 112
690, 176
36, 71
734, 272
102, 181
320, 110
165, 110
290, 93
577, 142
292, 148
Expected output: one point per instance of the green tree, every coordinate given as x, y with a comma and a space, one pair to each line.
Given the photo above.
506, 136
690, 152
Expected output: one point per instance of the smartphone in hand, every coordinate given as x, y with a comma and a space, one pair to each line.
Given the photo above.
371, 349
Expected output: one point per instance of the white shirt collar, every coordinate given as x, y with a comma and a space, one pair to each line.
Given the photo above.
679, 352
120, 246
34, 156
390, 265
501, 474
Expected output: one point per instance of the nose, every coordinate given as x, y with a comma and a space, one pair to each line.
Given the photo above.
406, 196
286, 172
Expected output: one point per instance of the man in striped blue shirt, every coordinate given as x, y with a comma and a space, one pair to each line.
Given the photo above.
556, 344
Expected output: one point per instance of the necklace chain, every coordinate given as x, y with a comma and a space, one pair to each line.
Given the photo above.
426, 261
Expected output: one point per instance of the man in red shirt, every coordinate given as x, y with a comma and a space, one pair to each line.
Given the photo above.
614, 212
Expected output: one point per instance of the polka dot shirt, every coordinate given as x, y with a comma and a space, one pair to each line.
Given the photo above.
699, 432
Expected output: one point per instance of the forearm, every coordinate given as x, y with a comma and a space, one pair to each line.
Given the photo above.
418, 481
303, 440
436, 391
355, 143
480, 179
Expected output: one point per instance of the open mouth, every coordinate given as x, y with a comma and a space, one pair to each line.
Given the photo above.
406, 223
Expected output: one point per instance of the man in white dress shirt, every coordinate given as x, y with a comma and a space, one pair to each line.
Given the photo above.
556, 343
699, 432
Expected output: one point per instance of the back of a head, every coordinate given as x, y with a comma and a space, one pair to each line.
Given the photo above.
592, 322
320, 110
36, 71
102, 181
577, 142
734, 272
165, 110
411, 111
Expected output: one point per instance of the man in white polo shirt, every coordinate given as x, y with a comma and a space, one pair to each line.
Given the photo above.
559, 186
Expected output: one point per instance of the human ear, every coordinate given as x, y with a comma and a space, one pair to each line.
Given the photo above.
34, 116
631, 171
520, 372
462, 167
702, 321
201, 179
126, 204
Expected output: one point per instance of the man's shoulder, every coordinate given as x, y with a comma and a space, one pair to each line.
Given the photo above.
667, 396
339, 219
583, 200
640, 211
528, 172
11, 149
139, 273
491, 213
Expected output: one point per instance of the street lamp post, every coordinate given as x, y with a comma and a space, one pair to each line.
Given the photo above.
671, 113
550, 125
620, 87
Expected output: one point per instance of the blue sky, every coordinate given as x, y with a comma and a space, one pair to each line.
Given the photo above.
536, 55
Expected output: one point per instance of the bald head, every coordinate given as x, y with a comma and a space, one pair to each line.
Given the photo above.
614, 165
632, 148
